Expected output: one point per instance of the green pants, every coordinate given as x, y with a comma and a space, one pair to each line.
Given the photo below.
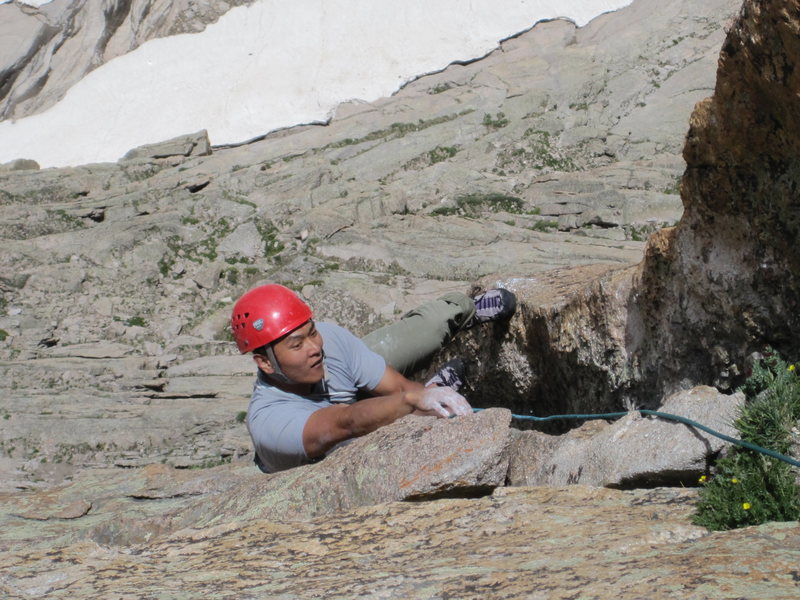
419, 333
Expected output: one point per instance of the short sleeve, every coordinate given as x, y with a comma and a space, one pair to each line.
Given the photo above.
352, 362
277, 433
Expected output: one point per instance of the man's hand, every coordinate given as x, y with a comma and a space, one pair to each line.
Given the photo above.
443, 401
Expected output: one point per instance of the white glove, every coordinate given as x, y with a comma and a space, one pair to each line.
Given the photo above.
445, 401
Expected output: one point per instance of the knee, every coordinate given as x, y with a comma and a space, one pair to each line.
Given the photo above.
465, 304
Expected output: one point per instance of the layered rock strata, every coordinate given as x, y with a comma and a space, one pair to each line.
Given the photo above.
586, 338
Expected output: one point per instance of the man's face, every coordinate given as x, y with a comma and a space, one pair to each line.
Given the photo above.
300, 354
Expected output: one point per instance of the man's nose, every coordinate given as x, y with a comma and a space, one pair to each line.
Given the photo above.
314, 346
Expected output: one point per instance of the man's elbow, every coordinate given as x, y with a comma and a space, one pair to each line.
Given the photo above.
316, 447
323, 431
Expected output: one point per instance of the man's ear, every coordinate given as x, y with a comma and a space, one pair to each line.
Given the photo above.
264, 363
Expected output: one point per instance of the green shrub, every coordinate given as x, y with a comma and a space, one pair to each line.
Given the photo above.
136, 322
536, 150
497, 122
269, 235
397, 130
441, 153
544, 225
749, 487
471, 204
444, 211
441, 87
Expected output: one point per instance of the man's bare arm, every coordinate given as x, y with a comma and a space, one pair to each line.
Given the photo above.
396, 396
394, 381
328, 426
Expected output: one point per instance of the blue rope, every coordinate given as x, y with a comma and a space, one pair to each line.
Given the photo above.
662, 415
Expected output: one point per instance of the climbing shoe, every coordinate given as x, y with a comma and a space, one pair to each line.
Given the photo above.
451, 374
493, 305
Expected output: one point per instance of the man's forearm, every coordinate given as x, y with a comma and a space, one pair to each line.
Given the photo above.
333, 424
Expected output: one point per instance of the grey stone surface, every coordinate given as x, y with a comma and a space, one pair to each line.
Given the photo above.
245, 241
193, 144
213, 365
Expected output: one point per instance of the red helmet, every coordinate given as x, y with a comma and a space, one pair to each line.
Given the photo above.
265, 314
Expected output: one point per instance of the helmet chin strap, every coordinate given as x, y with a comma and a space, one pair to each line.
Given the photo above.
278, 373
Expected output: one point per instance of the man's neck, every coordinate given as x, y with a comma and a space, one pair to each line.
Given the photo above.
301, 389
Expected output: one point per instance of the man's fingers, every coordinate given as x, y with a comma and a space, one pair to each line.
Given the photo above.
462, 407
446, 401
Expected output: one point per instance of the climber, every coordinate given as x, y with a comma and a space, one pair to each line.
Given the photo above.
318, 385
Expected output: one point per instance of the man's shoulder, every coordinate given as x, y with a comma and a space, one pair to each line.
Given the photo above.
334, 335
331, 328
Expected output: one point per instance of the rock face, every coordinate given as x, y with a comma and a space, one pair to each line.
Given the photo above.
518, 543
195, 144
45, 50
712, 290
546, 154
729, 274
163, 532
414, 459
417, 458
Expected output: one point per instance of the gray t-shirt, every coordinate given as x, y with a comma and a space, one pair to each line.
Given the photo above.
276, 418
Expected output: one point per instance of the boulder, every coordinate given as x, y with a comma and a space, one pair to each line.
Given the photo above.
194, 144
413, 458
632, 451
243, 242
20, 164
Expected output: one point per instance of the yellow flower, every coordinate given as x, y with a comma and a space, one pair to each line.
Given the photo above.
702, 479
746, 506
791, 367
734, 480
